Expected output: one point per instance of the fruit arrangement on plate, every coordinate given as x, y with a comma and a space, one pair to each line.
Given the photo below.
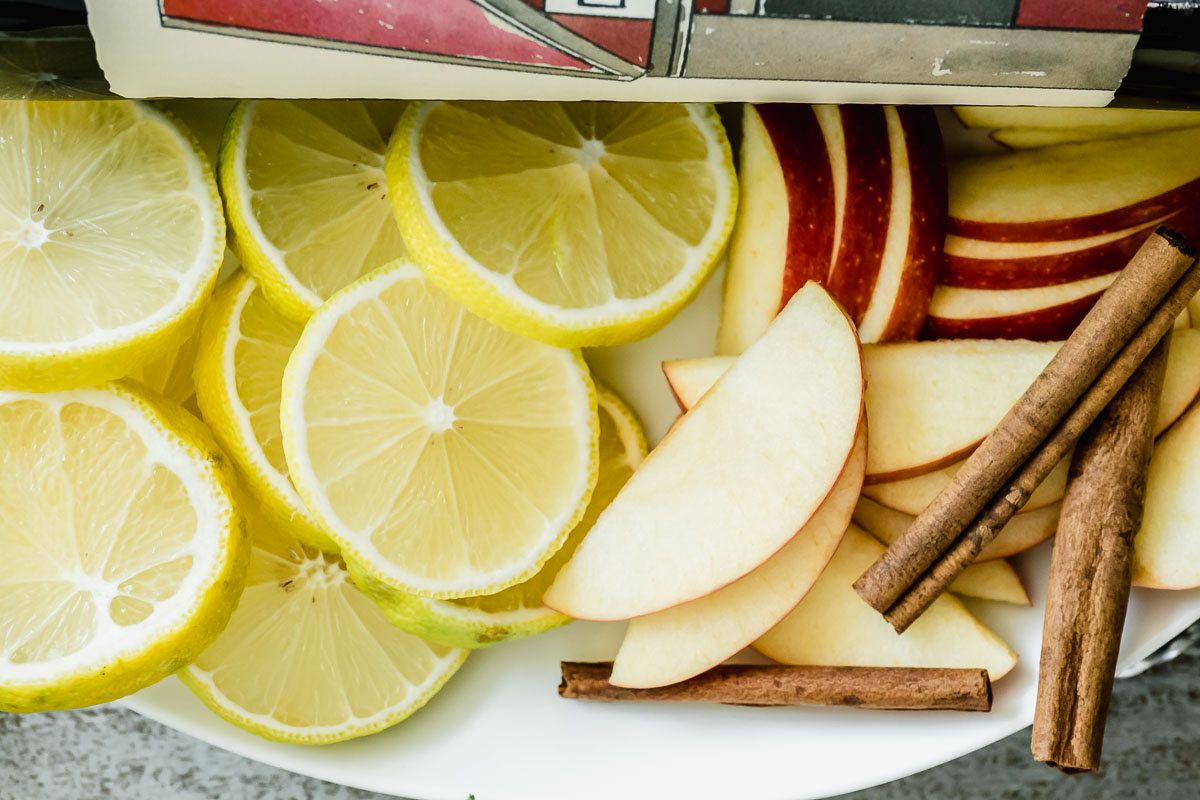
310, 472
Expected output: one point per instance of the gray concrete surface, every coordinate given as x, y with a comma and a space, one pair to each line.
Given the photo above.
1152, 750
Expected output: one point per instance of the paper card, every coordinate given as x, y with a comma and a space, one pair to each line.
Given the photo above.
945, 51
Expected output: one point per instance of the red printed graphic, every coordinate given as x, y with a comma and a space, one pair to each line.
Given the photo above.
627, 38
1095, 15
582, 36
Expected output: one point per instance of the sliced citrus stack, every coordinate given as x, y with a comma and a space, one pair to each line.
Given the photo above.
309, 658
572, 223
445, 456
111, 236
306, 195
123, 553
517, 612
245, 344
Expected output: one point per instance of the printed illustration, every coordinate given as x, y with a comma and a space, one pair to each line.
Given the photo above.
981, 42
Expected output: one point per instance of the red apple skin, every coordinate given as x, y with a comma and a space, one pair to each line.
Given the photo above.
804, 160
927, 232
1081, 227
867, 206
1051, 270
1026, 273
1042, 325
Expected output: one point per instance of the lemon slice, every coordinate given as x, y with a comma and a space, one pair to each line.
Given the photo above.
445, 456
571, 223
170, 376
306, 195
123, 553
111, 236
517, 612
307, 657
245, 344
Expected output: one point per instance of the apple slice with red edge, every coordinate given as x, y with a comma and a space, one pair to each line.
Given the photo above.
783, 235
1072, 191
832, 625
734, 479
858, 139
912, 256
980, 264
1042, 313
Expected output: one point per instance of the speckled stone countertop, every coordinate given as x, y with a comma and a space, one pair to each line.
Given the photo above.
1152, 750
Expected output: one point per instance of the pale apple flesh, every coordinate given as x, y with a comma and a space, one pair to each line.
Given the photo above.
1024, 531
1166, 551
1076, 190
833, 626
928, 403
678, 643
1092, 122
994, 580
735, 478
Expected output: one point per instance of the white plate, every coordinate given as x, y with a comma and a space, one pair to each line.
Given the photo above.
499, 730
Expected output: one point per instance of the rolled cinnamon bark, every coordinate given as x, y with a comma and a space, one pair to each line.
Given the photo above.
896, 688
1119, 332
1090, 573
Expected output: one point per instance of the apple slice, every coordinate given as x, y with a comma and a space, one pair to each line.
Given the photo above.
1071, 191
673, 645
690, 378
931, 403
1023, 531
1166, 551
912, 255
980, 264
786, 219
857, 138
1044, 313
735, 478
833, 625
994, 580
1090, 121
928, 403
911, 495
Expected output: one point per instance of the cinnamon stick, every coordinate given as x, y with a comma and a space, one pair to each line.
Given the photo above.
1090, 573
904, 688
1147, 296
